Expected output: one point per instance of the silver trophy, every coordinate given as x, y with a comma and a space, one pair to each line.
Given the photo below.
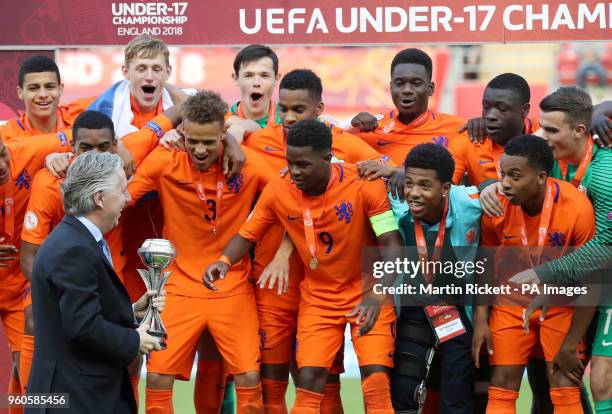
156, 254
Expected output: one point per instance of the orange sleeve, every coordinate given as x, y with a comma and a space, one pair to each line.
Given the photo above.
148, 173
584, 223
44, 209
74, 108
140, 143
262, 217
359, 150
458, 149
375, 197
488, 237
31, 151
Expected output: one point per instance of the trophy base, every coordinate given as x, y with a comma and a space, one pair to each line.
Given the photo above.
160, 336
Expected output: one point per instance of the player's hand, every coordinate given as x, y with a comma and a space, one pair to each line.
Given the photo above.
142, 304
526, 276
233, 157
569, 364
276, 271
364, 122
8, 253
481, 335
282, 173
129, 165
367, 314
148, 343
539, 302
177, 94
489, 201
57, 163
371, 170
173, 140
601, 130
475, 127
395, 183
214, 272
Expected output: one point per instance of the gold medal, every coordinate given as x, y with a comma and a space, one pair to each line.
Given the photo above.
313, 262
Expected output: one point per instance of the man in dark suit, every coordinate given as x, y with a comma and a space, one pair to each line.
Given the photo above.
84, 321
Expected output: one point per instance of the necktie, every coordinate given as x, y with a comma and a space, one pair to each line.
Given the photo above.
104, 246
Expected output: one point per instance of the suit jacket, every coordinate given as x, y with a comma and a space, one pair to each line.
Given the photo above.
83, 324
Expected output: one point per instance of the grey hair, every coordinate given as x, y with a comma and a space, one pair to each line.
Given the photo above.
89, 173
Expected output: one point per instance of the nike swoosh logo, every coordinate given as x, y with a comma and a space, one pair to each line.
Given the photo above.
382, 143
605, 343
509, 237
292, 218
483, 162
271, 149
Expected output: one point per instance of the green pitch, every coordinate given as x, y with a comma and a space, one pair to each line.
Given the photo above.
351, 397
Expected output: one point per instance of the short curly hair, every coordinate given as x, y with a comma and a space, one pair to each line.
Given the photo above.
431, 156
303, 79
205, 107
310, 133
539, 155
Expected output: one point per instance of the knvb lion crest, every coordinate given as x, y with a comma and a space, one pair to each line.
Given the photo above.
556, 238
23, 180
440, 140
344, 211
235, 183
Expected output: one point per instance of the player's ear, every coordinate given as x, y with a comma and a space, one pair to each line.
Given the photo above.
431, 88
125, 70
235, 78
580, 130
20, 92
277, 77
61, 89
327, 157
542, 176
319, 108
446, 189
525, 109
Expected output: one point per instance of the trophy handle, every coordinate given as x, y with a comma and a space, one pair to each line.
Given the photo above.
145, 276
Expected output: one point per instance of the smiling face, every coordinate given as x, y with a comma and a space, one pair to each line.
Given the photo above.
40, 93
411, 88
425, 194
297, 105
147, 77
256, 80
562, 137
504, 114
202, 142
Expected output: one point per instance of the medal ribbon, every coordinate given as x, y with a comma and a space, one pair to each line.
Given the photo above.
59, 123
198, 182
309, 224
417, 122
545, 216
582, 167
9, 212
422, 243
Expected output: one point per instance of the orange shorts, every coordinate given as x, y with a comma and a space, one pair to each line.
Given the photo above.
319, 338
513, 346
232, 322
277, 324
11, 314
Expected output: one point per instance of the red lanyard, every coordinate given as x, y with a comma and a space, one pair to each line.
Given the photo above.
59, 123
422, 244
9, 211
545, 216
582, 167
198, 181
417, 122
309, 224
271, 113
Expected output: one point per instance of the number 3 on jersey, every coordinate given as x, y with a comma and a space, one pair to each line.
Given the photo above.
212, 209
327, 240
